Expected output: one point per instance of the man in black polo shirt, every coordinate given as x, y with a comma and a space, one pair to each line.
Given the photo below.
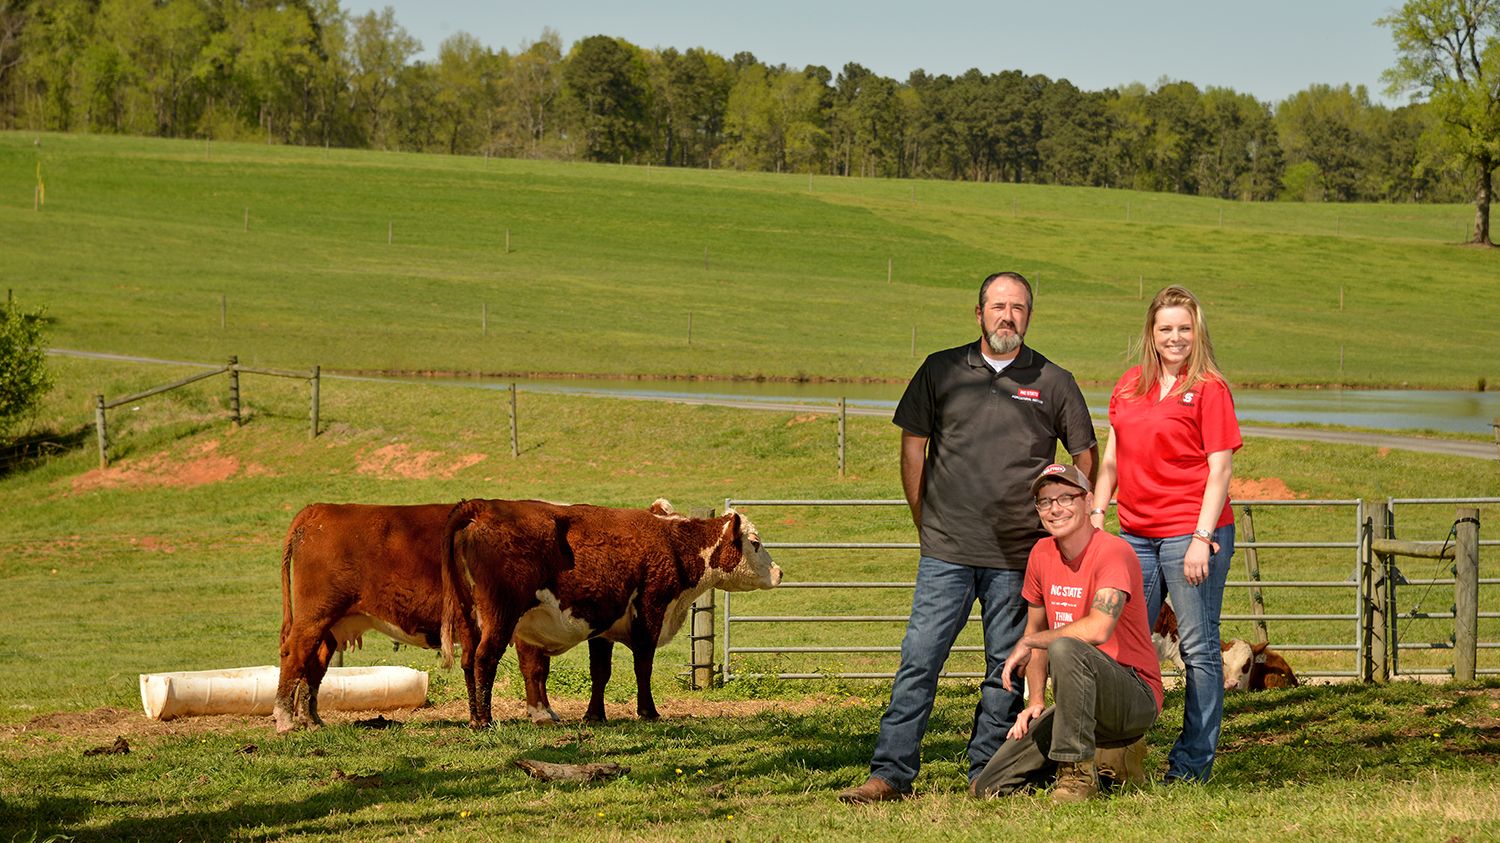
978, 423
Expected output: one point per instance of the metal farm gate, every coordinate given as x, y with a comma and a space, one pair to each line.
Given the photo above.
1341, 529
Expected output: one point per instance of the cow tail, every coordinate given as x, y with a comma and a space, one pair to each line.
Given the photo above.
458, 518
286, 576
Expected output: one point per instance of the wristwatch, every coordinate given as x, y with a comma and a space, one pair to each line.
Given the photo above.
1204, 535
1098, 510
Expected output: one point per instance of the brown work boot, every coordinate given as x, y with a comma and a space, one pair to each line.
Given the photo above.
1075, 782
1135, 765
1109, 763
873, 790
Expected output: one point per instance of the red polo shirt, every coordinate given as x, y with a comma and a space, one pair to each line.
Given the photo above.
1161, 454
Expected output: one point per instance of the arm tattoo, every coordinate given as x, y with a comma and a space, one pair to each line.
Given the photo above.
1110, 601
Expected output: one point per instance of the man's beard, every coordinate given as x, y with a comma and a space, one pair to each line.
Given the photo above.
1003, 343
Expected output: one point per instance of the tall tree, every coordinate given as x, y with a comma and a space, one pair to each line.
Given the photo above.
1449, 53
606, 78
381, 49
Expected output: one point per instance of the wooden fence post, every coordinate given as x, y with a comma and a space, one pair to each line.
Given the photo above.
234, 391
317, 378
702, 631
103, 433
1466, 594
1252, 568
515, 444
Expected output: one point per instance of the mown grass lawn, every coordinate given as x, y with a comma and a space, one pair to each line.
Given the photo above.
169, 561
367, 260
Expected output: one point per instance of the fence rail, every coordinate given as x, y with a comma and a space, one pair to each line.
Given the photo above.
234, 369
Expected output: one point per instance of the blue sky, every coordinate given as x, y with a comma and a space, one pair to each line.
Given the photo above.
1269, 48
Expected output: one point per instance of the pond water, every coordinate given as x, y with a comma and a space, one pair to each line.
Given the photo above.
1386, 409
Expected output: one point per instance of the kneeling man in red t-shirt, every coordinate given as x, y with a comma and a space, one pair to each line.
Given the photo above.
1086, 621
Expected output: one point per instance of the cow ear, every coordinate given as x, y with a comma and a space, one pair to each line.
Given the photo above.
662, 507
727, 540
1260, 648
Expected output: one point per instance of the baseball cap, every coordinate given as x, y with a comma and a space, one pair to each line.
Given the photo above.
1059, 473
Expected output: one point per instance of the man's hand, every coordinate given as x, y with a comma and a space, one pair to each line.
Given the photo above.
1023, 721
1019, 658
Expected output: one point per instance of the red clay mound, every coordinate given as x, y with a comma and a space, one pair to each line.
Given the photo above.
202, 466
1268, 489
402, 461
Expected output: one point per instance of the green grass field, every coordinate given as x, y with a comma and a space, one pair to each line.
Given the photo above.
142, 241
169, 559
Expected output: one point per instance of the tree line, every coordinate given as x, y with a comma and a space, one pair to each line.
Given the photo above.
308, 72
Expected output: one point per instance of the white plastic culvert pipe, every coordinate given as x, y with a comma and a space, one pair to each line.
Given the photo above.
252, 690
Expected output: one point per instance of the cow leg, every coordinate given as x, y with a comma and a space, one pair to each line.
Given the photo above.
644, 653
466, 648
601, 664
295, 689
492, 643
316, 670
535, 665
294, 658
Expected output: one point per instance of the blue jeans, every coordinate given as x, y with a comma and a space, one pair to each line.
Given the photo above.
940, 607
1197, 609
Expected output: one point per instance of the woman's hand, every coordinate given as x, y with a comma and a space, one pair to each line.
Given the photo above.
1023, 721
1097, 519
1195, 563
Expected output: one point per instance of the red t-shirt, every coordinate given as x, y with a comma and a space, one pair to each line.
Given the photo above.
1161, 454
1066, 591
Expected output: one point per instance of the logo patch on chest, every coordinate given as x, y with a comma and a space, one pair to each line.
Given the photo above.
1187, 397
1031, 395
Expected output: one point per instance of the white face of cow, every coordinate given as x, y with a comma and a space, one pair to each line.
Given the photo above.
755, 570
1238, 657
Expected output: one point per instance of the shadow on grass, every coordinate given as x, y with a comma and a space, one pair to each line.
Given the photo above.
32, 450
428, 776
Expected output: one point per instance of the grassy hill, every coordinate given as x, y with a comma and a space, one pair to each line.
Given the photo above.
143, 247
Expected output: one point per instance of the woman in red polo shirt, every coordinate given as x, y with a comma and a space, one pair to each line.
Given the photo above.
1172, 436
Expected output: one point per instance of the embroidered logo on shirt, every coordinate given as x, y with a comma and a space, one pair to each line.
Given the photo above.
1031, 395
1187, 397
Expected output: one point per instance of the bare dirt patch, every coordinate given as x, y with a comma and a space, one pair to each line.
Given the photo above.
402, 461
1267, 489
202, 465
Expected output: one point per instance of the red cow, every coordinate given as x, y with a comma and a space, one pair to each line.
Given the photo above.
635, 574
358, 568
1247, 667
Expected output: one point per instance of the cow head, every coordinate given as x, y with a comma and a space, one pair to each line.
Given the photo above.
1271, 670
1238, 659
743, 560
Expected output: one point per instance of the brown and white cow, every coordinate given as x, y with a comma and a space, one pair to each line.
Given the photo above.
1247, 667
635, 574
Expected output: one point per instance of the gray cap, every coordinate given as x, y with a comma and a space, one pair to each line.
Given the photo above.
1059, 473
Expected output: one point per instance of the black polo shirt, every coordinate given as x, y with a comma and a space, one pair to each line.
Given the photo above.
989, 434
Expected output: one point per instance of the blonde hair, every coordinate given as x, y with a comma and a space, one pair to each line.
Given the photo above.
1200, 365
